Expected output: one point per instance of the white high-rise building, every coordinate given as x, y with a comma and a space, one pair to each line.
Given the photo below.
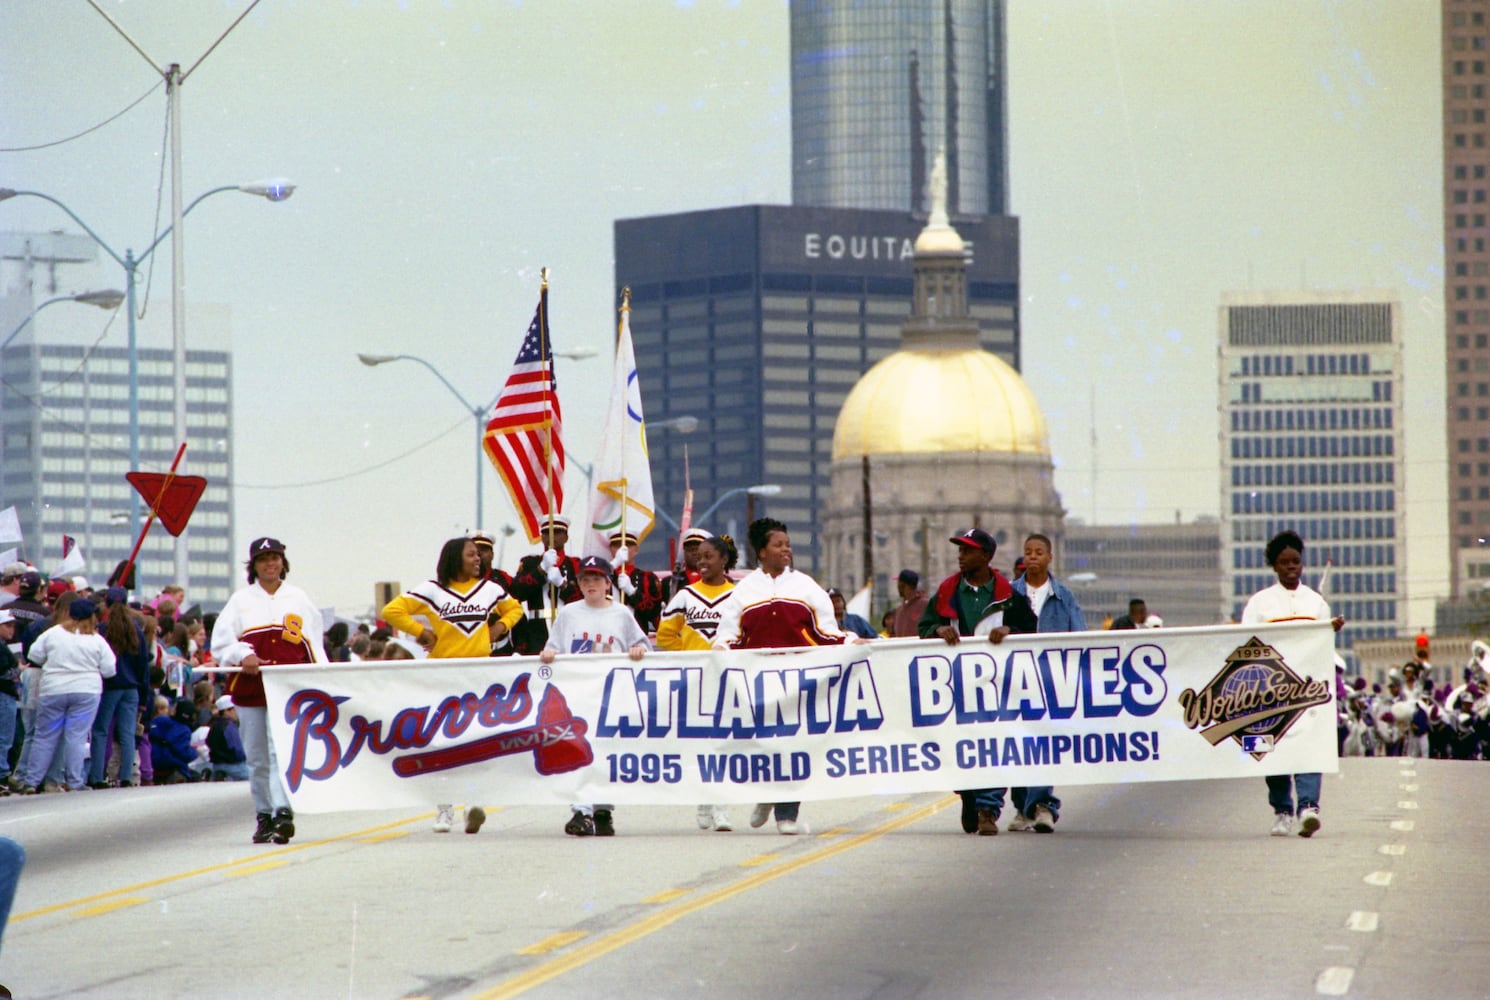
64, 421
1311, 439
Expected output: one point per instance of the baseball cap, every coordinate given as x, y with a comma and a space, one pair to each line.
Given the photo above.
975, 538
224, 703
261, 546
6, 616
115, 595
82, 608
80, 582
30, 580
910, 578
482, 538
58, 587
13, 570
594, 564
696, 535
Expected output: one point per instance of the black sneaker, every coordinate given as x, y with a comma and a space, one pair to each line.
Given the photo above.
265, 831
284, 826
580, 825
969, 814
603, 825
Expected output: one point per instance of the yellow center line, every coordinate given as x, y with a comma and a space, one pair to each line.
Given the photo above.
552, 943
210, 869
759, 859
648, 925
263, 866
118, 904
667, 895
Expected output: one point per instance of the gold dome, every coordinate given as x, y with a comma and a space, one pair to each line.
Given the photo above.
918, 402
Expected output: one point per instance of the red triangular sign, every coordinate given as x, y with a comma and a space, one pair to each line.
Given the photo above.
171, 503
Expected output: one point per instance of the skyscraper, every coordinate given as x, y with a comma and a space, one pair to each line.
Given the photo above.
758, 320
878, 86
1311, 439
1466, 73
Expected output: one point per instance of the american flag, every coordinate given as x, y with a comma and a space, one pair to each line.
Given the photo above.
522, 432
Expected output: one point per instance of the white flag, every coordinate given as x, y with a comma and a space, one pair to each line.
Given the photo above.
623, 476
10, 526
72, 558
860, 603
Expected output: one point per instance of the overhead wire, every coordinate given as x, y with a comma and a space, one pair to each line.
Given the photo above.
86, 131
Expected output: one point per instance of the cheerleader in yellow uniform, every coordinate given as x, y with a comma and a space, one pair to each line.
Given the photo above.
689, 621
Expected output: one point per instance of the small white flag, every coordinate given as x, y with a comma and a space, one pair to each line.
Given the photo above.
72, 558
10, 526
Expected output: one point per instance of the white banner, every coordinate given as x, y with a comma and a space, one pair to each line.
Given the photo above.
891, 717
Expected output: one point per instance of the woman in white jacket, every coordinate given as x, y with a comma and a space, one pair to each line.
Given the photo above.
74, 660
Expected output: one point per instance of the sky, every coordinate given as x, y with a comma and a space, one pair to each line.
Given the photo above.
1162, 153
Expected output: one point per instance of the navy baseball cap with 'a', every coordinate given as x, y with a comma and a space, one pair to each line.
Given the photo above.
976, 538
594, 564
263, 546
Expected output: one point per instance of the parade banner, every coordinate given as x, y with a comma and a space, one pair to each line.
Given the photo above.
892, 716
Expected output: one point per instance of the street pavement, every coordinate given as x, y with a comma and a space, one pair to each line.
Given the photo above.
1145, 890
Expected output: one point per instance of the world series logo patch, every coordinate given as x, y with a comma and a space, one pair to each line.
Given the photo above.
1255, 699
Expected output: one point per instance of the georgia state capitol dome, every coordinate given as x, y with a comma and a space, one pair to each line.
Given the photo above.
945, 435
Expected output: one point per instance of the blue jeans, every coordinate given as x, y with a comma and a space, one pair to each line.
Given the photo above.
264, 783
118, 710
1027, 800
12, 857
1282, 786
229, 772
7, 731
30, 680
63, 722
986, 799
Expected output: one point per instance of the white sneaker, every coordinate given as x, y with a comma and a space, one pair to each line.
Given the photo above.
1282, 825
760, 814
720, 820
705, 817
1044, 821
1021, 823
444, 819
786, 827
1308, 822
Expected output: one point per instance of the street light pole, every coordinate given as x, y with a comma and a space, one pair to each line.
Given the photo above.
108, 298
479, 412
273, 189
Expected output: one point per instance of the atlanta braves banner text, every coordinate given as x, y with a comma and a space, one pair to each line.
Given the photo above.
887, 717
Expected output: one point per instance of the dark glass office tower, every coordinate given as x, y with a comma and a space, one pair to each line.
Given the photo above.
879, 85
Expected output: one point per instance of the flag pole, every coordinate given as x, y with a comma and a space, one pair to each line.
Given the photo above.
546, 530
154, 511
625, 482
548, 426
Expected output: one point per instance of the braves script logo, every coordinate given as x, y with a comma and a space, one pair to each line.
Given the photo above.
1254, 700
556, 739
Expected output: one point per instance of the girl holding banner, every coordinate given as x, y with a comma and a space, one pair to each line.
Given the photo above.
1290, 599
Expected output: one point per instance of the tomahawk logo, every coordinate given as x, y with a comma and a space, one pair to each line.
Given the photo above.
1255, 699
556, 738
557, 741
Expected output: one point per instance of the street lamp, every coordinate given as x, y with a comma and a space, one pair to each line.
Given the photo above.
273, 189
107, 298
762, 490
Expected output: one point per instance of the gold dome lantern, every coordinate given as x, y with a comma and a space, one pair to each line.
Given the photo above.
938, 401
